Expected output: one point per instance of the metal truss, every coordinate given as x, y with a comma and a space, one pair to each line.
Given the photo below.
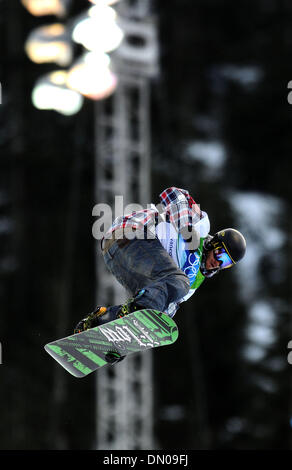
124, 401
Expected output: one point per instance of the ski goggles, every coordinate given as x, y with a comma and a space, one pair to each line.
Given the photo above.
223, 257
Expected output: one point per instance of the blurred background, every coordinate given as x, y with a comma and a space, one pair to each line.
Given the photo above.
188, 93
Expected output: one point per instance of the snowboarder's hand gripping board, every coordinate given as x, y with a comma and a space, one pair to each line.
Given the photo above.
85, 352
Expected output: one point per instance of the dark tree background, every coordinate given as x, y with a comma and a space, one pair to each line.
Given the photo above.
207, 395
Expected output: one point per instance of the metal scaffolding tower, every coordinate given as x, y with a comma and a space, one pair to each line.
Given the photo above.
124, 391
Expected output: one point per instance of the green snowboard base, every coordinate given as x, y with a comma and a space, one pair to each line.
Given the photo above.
85, 352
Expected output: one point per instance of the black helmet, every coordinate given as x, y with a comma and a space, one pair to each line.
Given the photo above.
232, 241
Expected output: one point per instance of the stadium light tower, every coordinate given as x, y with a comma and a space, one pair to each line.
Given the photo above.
47, 7
50, 43
98, 29
51, 92
90, 75
125, 391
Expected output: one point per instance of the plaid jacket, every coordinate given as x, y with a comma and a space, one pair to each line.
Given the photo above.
176, 205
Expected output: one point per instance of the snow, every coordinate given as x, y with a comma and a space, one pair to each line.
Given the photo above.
258, 217
174, 412
262, 334
254, 353
6, 225
261, 331
245, 75
265, 384
211, 154
261, 312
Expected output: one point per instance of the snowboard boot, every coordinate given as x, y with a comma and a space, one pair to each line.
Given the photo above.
103, 315
91, 320
130, 306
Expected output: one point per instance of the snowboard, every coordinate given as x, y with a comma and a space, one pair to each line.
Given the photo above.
85, 352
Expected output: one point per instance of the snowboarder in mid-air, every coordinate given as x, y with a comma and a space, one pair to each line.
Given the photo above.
162, 254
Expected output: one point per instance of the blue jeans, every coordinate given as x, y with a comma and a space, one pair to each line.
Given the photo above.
144, 264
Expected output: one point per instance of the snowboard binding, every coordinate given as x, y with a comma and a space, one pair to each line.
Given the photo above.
90, 321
